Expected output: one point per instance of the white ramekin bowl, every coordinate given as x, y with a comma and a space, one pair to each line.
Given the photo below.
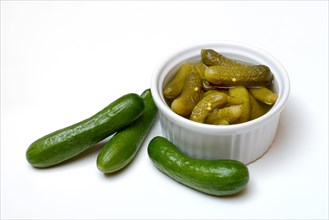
245, 142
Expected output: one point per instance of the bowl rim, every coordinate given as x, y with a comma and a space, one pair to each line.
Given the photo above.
281, 77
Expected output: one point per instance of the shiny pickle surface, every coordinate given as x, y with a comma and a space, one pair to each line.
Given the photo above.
264, 95
212, 58
258, 75
68, 142
175, 86
257, 109
233, 101
190, 96
206, 105
242, 93
209, 92
199, 67
213, 177
225, 116
122, 148
230, 100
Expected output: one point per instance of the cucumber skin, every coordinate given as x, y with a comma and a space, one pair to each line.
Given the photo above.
124, 145
68, 142
214, 177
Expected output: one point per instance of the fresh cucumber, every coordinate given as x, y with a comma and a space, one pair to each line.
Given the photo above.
68, 142
123, 146
214, 177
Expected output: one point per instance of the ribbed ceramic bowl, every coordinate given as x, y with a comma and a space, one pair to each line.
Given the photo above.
245, 142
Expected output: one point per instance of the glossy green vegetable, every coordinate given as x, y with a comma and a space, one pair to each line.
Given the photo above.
68, 142
242, 93
206, 105
214, 177
258, 75
190, 96
213, 58
225, 116
120, 150
230, 100
264, 95
175, 86
199, 68
212, 91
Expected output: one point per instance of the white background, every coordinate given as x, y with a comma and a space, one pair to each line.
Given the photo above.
61, 62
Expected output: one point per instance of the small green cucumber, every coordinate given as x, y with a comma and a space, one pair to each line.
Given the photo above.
68, 142
120, 150
214, 177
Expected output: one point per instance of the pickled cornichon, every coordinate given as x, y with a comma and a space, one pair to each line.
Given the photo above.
212, 58
230, 100
190, 95
264, 95
175, 87
221, 91
207, 105
242, 93
200, 68
257, 109
258, 75
225, 116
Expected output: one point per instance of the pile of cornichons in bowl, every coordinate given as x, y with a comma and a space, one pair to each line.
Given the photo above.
220, 91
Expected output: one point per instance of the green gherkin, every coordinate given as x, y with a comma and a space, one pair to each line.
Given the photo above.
199, 68
242, 93
206, 105
225, 116
258, 75
257, 109
212, 58
264, 95
175, 86
190, 96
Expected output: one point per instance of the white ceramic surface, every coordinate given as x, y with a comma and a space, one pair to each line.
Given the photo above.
245, 142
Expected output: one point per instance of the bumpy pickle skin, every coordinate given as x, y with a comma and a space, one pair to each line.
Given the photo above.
242, 93
199, 67
206, 105
190, 96
257, 75
175, 86
225, 116
264, 95
212, 58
